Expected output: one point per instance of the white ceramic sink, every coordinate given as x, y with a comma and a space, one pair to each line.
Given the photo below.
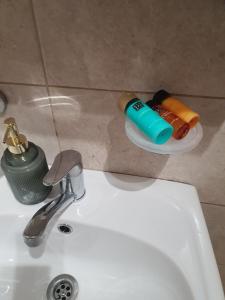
133, 238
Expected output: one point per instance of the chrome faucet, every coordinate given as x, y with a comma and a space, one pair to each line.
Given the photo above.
67, 171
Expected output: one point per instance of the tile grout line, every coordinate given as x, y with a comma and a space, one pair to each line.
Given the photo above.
44, 71
39, 43
141, 92
106, 90
23, 84
213, 204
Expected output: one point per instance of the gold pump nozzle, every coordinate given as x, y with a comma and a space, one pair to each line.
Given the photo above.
16, 142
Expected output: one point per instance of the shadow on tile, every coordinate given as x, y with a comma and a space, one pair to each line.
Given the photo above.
125, 157
131, 183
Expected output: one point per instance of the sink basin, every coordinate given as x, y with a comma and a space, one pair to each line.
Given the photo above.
131, 238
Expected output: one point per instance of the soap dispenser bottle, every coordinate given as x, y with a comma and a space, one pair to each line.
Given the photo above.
24, 165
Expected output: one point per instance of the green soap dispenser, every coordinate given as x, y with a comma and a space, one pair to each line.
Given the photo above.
24, 165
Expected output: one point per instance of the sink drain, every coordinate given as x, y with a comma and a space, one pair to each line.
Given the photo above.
63, 287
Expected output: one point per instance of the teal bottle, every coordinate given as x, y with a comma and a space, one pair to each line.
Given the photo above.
24, 165
148, 121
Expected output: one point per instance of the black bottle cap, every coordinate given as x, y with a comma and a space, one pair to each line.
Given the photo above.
159, 97
150, 103
130, 103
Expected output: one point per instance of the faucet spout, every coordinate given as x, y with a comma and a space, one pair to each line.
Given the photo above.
67, 171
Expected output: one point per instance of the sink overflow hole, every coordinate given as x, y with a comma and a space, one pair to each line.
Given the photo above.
65, 228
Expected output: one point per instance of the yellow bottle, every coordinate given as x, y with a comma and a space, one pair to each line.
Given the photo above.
177, 107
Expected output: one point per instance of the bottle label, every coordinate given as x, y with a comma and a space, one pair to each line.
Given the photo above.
137, 106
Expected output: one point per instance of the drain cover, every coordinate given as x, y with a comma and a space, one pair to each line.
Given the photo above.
63, 287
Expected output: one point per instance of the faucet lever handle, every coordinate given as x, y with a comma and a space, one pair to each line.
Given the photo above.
62, 165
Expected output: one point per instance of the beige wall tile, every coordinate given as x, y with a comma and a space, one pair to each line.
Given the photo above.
82, 120
90, 122
135, 45
222, 275
30, 106
19, 52
215, 219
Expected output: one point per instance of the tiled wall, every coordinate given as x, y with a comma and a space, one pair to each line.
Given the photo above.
64, 63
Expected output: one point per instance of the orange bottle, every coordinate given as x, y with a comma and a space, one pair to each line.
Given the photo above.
181, 128
177, 107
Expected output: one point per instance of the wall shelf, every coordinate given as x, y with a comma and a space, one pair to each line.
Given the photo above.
173, 146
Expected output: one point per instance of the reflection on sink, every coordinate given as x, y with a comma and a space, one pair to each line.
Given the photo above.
147, 243
97, 258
